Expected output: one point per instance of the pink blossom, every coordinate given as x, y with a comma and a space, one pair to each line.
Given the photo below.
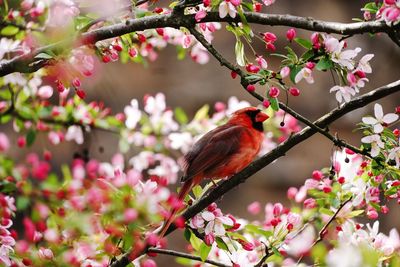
226, 8
130, 215
4, 142
45, 253
254, 208
285, 71
310, 203
262, 62
291, 34
304, 73
268, 2
148, 263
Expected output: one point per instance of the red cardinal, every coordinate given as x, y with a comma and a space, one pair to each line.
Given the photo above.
222, 152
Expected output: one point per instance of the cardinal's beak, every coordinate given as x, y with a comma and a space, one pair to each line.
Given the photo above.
260, 117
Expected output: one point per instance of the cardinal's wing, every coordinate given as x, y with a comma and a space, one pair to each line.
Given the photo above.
213, 150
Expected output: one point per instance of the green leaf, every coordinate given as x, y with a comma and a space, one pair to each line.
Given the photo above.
195, 242
276, 252
187, 234
197, 191
326, 211
7, 187
180, 116
303, 42
204, 251
5, 94
22, 203
202, 113
221, 244
355, 213
257, 230
274, 103
181, 52
294, 69
9, 30
239, 52
5, 118
30, 137
43, 56
324, 64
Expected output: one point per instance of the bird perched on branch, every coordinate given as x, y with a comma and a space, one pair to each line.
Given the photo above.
222, 152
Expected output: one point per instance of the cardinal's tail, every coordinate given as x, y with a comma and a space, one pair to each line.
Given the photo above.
185, 189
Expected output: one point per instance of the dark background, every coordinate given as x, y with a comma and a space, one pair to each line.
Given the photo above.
190, 86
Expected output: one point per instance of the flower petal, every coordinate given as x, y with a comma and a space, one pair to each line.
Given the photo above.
208, 216
223, 9
378, 128
219, 229
389, 118
378, 111
369, 120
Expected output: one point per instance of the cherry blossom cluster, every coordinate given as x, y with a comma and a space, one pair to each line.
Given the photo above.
386, 10
7, 236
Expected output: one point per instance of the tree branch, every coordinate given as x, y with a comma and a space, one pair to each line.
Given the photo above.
25, 63
244, 82
185, 255
273, 155
322, 232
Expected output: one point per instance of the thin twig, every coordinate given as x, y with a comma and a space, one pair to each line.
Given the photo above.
24, 63
322, 232
265, 257
273, 155
185, 255
224, 62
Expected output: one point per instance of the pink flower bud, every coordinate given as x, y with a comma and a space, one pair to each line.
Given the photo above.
294, 91
212, 207
81, 93
270, 47
21, 141
117, 47
266, 103
372, 213
291, 193
251, 88
45, 92
106, 58
4, 143
160, 31
341, 180
254, 208
246, 245
315, 38
252, 68
310, 203
285, 71
46, 254
269, 37
257, 7
130, 215
262, 62
291, 34
317, 175
277, 209
351, 78
235, 2
384, 209
148, 263
209, 239
233, 74
310, 65
390, 2
274, 92
206, 3
132, 52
